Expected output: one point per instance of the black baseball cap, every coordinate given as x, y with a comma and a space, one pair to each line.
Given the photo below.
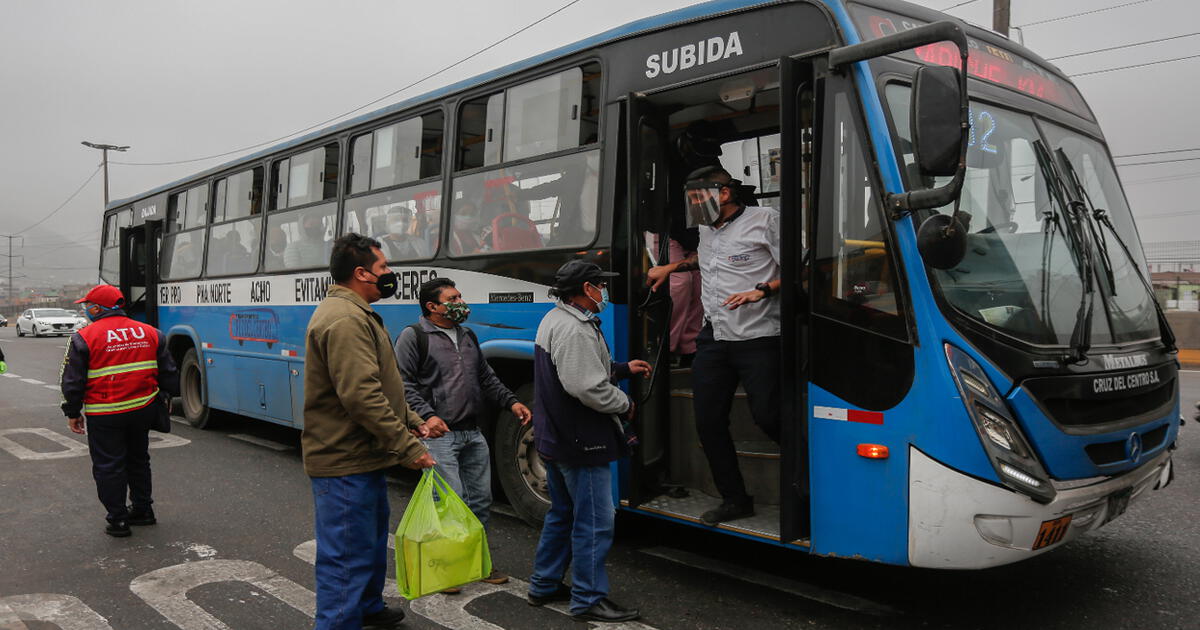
575, 272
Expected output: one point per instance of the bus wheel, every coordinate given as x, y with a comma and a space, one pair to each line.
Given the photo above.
520, 468
191, 385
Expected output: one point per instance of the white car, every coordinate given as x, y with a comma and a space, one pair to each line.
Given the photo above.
40, 322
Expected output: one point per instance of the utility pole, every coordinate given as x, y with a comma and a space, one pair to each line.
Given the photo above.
1000, 16
105, 148
10, 257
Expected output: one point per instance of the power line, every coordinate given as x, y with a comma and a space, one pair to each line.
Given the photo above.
960, 4
1139, 65
1191, 159
1099, 50
1167, 215
1067, 17
1128, 155
63, 204
361, 107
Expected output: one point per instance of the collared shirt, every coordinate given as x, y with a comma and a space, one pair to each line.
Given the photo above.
733, 258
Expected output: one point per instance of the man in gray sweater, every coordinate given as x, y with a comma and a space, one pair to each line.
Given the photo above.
450, 386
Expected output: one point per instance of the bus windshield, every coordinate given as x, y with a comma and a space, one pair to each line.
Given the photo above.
1023, 271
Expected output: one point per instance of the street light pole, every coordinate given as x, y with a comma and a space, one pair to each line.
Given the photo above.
105, 148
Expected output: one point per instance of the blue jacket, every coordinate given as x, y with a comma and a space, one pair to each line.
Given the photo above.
576, 403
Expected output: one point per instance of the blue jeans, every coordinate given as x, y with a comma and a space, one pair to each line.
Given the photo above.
352, 532
578, 531
464, 461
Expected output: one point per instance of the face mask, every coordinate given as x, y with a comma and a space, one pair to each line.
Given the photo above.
386, 284
399, 226
703, 203
457, 312
603, 303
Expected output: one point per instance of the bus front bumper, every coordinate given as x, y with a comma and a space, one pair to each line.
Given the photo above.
959, 522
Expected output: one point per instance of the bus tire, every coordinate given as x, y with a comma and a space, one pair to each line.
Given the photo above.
521, 470
192, 382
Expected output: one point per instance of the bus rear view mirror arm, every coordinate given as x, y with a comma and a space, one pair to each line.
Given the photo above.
936, 92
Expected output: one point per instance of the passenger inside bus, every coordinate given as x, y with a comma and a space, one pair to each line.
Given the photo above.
310, 248
401, 242
276, 245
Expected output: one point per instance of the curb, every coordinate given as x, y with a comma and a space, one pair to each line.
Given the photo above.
1189, 359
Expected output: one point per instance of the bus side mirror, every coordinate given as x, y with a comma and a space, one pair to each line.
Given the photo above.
936, 128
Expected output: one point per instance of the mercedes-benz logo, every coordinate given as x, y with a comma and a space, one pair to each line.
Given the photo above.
1133, 447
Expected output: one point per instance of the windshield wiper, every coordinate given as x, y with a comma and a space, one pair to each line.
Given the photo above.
1100, 216
1081, 334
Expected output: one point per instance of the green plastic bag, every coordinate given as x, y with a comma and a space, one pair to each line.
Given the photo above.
439, 544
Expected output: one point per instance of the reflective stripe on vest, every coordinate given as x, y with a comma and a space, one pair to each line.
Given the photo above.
127, 405
123, 368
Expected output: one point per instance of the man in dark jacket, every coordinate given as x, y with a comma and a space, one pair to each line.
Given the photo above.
577, 425
113, 373
449, 385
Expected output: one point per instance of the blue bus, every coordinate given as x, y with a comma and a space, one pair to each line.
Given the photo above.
975, 370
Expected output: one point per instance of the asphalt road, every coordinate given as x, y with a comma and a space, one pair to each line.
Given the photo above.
234, 544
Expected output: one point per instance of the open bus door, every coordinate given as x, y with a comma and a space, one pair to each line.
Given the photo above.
650, 311
139, 270
797, 113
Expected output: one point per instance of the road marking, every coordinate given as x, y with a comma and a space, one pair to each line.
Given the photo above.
54, 387
307, 551
63, 611
836, 599
275, 446
166, 440
72, 447
33, 381
166, 589
10, 375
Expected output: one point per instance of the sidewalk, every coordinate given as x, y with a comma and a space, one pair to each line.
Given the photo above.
1189, 359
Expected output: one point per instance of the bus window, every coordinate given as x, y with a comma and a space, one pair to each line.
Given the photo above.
551, 203
406, 221
853, 270
110, 256
300, 239
181, 255
360, 164
397, 154
176, 212
187, 210
543, 115
305, 178
480, 131
233, 248
238, 196
757, 162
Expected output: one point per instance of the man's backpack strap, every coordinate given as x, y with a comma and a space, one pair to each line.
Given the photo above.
422, 344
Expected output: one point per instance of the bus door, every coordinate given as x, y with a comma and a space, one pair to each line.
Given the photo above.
139, 270
650, 312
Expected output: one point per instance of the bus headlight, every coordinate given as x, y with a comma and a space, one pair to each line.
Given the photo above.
1008, 450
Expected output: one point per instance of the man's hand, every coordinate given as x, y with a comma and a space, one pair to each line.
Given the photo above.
656, 276
434, 427
424, 461
638, 366
745, 297
76, 425
522, 413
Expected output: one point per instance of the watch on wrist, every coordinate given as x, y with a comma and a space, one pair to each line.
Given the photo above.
765, 287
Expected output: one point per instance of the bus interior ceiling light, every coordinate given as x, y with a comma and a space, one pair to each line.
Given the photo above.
1016, 464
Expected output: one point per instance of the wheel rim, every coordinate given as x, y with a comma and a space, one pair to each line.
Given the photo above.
529, 462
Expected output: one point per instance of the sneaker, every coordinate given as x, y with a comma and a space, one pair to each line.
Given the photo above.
560, 594
117, 529
386, 619
727, 512
137, 517
496, 577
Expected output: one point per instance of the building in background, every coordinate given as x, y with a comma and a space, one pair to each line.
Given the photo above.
1175, 273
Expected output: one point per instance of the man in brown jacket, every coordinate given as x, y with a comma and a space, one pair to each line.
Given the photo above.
356, 424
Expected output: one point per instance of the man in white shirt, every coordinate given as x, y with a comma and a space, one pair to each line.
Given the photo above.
739, 265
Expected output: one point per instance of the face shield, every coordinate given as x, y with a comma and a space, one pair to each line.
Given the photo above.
703, 202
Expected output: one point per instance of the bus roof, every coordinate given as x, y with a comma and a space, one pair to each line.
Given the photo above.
638, 27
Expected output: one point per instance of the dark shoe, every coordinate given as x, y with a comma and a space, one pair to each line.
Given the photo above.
727, 512
386, 619
606, 610
142, 518
560, 594
496, 577
117, 529
453, 590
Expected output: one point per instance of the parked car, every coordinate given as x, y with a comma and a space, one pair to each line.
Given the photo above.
3, 322
40, 322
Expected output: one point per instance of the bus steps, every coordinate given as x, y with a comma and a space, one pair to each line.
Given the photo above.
764, 523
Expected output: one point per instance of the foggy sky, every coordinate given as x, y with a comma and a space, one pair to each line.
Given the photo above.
177, 80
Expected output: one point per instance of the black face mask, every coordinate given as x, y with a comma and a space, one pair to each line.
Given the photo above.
386, 284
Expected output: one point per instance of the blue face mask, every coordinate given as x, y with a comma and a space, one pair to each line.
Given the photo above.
603, 303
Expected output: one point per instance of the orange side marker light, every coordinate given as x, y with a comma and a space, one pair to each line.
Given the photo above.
873, 451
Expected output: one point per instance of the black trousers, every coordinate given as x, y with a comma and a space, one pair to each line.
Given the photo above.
120, 447
716, 371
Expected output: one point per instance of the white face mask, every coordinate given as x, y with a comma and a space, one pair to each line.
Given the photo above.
399, 226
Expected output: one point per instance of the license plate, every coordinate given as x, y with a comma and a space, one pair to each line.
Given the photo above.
1117, 503
1051, 532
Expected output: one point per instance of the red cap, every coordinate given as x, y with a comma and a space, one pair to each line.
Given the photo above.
105, 295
